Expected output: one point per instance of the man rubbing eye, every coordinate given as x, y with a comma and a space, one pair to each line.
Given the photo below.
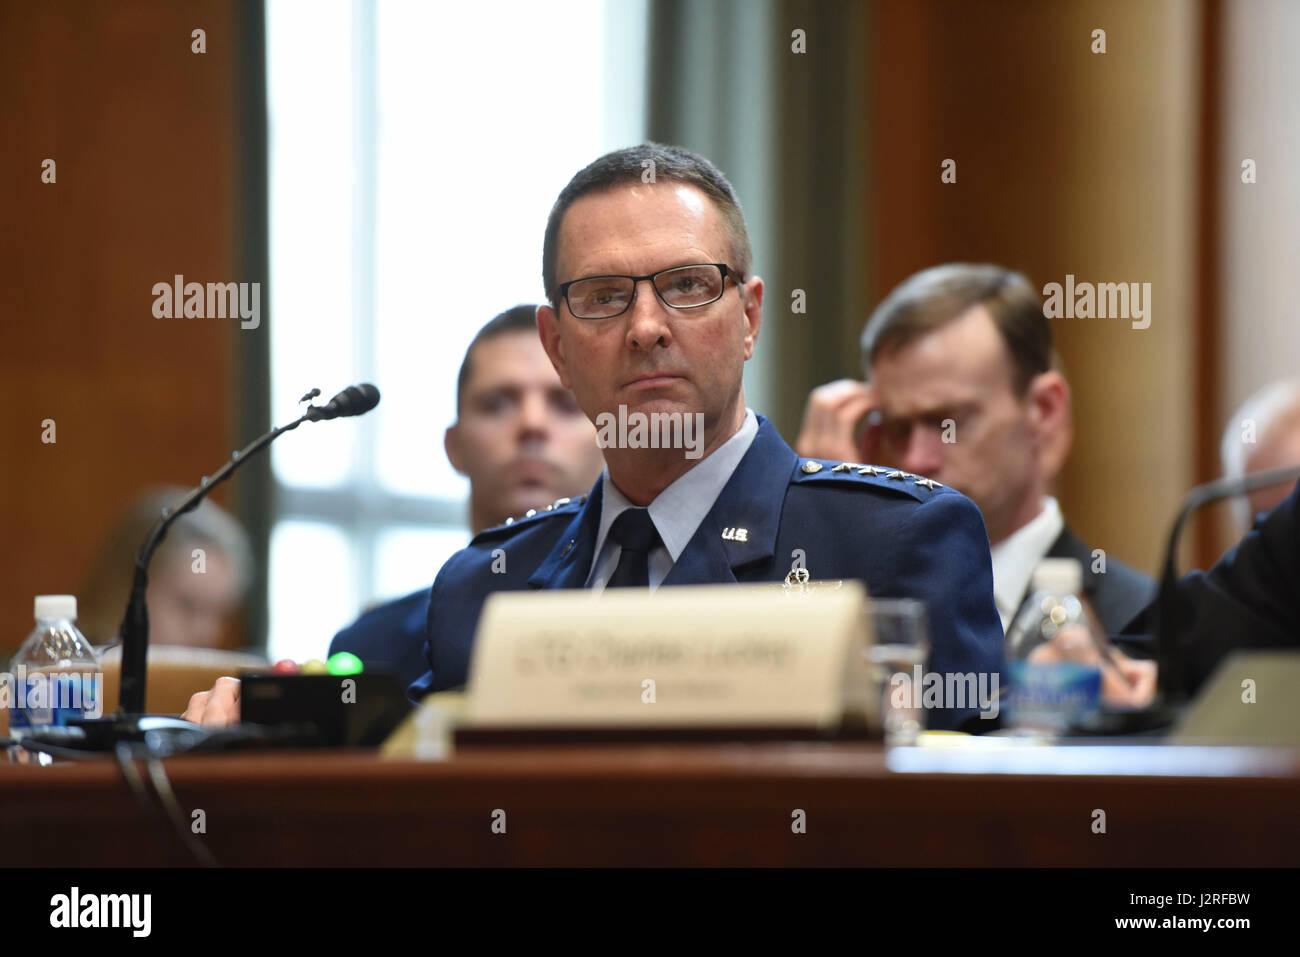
961, 386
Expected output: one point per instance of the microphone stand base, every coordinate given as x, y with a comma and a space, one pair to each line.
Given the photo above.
158, 735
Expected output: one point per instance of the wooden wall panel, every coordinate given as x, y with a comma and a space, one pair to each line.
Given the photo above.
141, 130
1068, 162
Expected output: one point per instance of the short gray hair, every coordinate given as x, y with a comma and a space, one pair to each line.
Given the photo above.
1265, 407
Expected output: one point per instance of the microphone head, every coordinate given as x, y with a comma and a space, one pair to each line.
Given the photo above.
354, 400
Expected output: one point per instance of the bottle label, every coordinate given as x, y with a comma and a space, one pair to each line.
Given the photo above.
42, 698
1051, 696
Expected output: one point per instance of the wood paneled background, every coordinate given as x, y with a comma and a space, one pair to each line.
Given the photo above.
141, 130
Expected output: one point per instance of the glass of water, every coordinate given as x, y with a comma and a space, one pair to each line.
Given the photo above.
897, 658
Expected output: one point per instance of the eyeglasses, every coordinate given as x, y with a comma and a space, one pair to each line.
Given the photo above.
681, 287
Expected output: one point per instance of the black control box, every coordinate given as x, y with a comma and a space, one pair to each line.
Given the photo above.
326, 711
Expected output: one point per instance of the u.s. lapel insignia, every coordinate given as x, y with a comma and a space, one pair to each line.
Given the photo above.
735, 534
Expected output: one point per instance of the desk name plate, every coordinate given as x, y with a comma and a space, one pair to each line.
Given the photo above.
699, 656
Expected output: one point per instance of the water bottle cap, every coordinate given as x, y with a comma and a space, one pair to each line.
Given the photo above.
56, 606
1058, 576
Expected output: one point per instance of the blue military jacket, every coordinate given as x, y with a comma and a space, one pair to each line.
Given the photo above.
903, 536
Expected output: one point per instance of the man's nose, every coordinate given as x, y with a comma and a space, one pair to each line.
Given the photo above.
647, 318
924, 454
532, 413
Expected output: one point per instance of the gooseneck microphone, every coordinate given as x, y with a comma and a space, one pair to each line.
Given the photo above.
134, 633
1171, 611
106, 733
354, 400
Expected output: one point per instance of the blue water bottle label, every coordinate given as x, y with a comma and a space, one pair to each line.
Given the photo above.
1052, 696
43, 699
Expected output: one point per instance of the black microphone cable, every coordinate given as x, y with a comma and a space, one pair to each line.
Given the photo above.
167, 800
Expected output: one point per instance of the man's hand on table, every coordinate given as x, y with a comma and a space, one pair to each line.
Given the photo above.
217, 708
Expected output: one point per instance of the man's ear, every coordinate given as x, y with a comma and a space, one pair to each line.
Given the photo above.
751, 294
1049, 409
451, 445
548, 328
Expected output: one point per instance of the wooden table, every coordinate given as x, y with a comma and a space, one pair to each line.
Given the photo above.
676, 805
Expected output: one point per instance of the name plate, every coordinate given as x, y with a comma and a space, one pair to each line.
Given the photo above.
700, 656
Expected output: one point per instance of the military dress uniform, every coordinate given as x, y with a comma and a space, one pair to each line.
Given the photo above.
904, 536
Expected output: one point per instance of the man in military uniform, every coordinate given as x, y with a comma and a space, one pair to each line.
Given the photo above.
653, 312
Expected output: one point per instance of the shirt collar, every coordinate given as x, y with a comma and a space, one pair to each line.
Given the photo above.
1016, 556
678, 510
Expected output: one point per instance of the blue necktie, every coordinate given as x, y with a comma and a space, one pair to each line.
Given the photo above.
635, 532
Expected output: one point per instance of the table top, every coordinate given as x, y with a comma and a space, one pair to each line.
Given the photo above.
802, 803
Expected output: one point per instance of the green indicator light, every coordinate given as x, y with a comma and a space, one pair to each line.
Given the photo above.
345, 663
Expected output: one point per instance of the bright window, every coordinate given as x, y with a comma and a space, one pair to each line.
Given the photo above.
415, 150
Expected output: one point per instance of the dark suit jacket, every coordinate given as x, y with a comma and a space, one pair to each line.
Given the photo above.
899, 536
1117, 596
1250, 598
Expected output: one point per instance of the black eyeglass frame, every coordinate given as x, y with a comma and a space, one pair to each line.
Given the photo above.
735, 274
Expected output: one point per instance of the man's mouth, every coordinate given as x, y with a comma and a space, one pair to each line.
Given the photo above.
530, 471
653, 380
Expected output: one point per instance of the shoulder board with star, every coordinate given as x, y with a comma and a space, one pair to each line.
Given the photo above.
854, 473
561, 506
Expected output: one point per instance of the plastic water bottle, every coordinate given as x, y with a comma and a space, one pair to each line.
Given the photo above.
1047, 697
55, 676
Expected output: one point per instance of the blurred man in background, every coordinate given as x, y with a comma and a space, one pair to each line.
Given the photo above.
961, 389
523, 442
1263, 434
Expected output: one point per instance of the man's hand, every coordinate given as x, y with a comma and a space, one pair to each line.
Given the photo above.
831, 421
216, 708
1125, 682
